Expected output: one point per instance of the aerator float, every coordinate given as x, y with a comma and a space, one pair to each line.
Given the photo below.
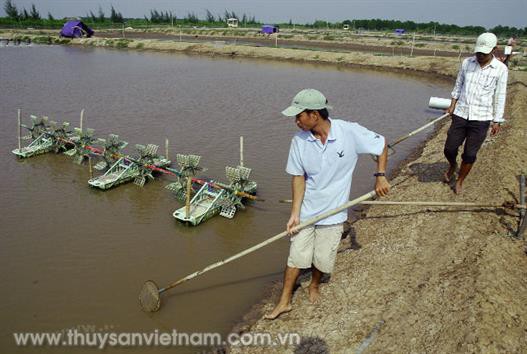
204, 197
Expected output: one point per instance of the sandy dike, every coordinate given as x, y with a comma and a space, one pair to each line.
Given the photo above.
432, 65
425, 279
421, 279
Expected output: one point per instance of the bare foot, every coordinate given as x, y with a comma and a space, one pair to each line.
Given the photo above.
447, 176
278, 310
314, 294
458, 189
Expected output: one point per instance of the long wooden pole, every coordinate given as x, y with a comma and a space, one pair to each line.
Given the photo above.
520, 206
166, 149
19, 132
241, 151
187, 202
404, 137
271, 240
82, 118
90, 167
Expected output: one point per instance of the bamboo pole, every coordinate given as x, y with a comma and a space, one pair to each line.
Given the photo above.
90, 167
82, 118
241, 151
520, 206
166, 148
187, 202
271, 240
444, 204
19, 132
402, 138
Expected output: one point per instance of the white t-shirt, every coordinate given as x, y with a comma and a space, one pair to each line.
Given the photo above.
328, 169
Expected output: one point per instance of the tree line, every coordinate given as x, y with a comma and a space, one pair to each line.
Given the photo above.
33, 17
432, 27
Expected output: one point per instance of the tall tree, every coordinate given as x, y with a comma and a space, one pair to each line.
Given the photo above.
93, 17
101, 14
11, 10
209, 16
115, 16
34, 13
50, 16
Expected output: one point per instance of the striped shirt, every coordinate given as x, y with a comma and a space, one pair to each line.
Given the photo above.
481, 91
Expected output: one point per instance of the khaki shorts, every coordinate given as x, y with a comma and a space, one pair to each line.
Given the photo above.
315, 245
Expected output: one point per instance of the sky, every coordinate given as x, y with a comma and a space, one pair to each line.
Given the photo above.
486, 13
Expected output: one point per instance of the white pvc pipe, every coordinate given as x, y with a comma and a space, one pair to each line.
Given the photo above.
439, 103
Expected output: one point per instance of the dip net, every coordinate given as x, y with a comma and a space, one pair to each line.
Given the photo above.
149, 298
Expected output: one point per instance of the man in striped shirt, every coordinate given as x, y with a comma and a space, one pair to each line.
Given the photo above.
478, 101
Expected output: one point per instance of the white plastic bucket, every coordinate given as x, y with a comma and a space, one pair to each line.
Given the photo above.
439, 103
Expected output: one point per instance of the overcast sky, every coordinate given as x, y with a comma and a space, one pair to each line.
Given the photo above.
486, 13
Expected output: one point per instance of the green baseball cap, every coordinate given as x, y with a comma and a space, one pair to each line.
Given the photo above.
306, 99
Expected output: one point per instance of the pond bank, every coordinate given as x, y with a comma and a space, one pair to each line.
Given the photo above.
424, 279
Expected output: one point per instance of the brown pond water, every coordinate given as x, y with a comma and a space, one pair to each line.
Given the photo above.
73, 256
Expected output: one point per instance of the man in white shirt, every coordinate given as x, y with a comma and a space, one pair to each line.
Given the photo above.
321, 161
478, 101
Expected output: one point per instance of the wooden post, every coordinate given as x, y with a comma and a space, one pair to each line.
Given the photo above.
19, 133
276, 40
180, 33
187, 202
82, 118
166, 149
413, 43
90, 167
241, 151
123, 31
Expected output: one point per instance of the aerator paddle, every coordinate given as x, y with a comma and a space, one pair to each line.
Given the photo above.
150, 295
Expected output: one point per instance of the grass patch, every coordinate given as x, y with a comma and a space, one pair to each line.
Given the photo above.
121, 43
42, 40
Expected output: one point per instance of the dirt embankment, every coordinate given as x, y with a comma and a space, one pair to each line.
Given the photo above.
427, 279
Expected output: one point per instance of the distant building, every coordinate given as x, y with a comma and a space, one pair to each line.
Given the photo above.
269, 29
232, 22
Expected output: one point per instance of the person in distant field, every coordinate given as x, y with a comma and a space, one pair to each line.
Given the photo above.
478, 101
508, 49
321, 160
